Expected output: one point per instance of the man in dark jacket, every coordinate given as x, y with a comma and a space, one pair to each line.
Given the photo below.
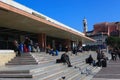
90, 59
65, 58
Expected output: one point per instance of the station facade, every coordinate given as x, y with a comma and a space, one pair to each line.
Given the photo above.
18, 22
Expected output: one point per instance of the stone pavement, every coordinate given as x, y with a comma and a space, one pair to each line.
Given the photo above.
111, 72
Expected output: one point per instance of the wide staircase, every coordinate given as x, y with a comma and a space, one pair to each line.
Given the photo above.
48, 69
24, 59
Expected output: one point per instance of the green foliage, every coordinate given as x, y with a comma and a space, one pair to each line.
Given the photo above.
113, 41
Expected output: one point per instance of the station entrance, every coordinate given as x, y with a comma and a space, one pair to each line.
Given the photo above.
7, 36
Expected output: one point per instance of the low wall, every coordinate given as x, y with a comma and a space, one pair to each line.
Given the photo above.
5, 56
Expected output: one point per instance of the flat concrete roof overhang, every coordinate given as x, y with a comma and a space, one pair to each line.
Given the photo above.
14, 18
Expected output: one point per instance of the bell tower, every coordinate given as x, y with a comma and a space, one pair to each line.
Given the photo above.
84, 26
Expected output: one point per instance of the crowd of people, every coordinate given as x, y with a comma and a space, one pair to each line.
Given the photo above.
28, 46
115, 53
101, 59
24, 47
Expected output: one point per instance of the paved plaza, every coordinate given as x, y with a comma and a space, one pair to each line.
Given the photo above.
111, 72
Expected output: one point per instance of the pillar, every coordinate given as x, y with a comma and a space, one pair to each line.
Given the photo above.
80, 44
22, 38
42, 41
68, 44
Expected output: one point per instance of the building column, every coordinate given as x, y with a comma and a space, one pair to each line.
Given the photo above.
68, 44
42, 41
22, 38
53, 44
80, 44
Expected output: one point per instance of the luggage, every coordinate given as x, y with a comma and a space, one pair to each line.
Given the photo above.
98, 64
86, 60
94, 63
58, 61
104, 63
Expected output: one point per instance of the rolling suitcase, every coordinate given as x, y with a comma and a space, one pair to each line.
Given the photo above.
58, 61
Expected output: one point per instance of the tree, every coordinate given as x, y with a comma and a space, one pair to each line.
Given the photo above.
113, 41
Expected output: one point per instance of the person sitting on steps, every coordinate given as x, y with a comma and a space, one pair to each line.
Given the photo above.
89, 60
65, 58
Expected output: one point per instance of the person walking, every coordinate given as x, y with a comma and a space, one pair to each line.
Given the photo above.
16, 48
114, 55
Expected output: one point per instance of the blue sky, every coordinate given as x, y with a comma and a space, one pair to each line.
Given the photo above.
72, 12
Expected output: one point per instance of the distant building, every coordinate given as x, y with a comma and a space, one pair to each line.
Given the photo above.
101, 31
111, 29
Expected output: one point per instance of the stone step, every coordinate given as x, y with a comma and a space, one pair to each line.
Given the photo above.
14, 71
51, 70
76, 76
69, 75
47, 68
15, 75
51, 67
27, 60
43, 67
58, 75
24, 59
22, 63
51, 58
49, 73
81, 77
94, 70
24, 68
24, 55
61, 74
44, 60
33, 72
